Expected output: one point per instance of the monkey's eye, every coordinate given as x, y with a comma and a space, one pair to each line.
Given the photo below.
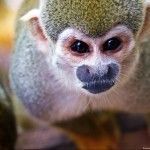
112, 44
80, 47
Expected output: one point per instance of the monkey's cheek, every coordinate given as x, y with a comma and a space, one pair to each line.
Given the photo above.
98, 87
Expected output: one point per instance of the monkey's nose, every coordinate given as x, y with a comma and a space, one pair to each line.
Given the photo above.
87, 74
112, 72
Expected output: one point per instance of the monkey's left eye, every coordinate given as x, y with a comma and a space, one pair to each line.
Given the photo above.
80, 47
112, 44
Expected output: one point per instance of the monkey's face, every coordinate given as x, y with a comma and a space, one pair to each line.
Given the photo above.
94, 65
90, 50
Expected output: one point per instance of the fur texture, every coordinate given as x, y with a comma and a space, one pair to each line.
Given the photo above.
91, 17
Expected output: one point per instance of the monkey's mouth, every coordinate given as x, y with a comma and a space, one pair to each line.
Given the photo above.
98, 86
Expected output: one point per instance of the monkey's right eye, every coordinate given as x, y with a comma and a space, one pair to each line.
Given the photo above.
80, 47
112, 44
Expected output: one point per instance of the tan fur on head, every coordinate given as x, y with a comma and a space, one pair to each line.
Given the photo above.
91, 17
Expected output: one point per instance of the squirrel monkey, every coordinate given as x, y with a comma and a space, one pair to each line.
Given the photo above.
71, 57
74, 56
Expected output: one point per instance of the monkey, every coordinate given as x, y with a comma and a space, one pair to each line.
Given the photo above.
71, 57
91, 62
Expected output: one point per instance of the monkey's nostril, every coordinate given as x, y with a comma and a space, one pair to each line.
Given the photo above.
113, 70
84, 73
87, 70
111, 73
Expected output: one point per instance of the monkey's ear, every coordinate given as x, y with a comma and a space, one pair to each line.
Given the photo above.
145, 32
32, 20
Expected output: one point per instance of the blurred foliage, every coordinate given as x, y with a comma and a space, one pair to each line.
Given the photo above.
7, 17
8, 133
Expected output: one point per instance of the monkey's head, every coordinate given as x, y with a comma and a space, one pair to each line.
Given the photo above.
88, 47
94, 41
